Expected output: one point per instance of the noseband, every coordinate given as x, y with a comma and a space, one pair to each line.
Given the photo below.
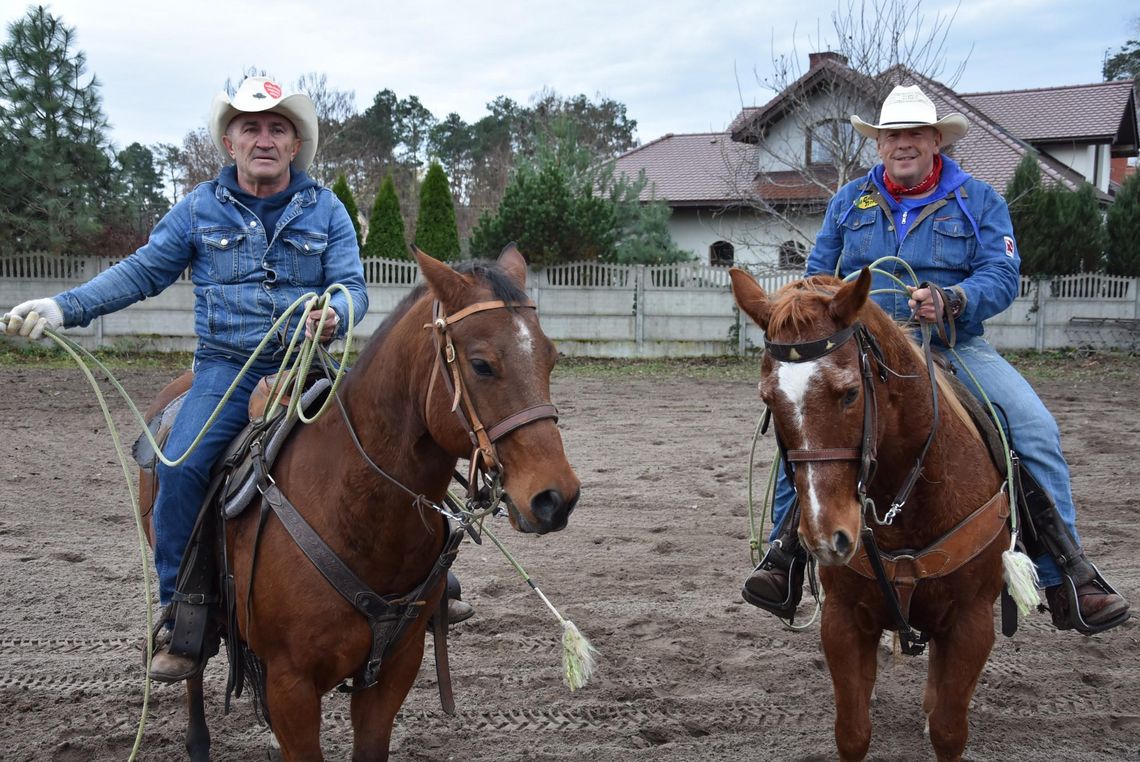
485, 460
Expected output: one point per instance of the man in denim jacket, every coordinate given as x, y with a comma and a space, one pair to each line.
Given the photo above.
954, 231
255, 239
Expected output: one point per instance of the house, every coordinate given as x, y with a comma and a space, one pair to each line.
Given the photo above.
802, 147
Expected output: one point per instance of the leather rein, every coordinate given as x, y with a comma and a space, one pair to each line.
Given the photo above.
896, 574
389, 616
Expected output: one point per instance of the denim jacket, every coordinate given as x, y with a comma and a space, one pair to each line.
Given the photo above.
242, 281
961, 238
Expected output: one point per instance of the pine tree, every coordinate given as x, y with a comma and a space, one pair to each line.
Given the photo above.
436, 231
386, 225
54, 157
1122, 230
344, 193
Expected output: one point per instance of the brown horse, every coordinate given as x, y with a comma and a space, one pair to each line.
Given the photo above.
852, 402
400, 405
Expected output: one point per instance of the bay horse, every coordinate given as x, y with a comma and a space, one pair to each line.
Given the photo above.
415, 404
851, 398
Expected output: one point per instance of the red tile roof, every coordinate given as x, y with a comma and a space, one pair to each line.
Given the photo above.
1081, 113
695, 169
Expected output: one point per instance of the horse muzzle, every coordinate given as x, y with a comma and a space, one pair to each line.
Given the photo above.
835, 550
550, 510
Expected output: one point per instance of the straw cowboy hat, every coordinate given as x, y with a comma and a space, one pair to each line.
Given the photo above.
907, 107
263, 94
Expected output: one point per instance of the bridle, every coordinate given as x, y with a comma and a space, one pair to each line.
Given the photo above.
870, 353
485, 464
912, 641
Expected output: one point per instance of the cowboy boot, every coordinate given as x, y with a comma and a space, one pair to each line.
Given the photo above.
1084, 601
777, 582
458, 609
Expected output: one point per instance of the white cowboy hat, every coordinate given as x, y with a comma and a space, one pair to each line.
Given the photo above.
907, 107
263, 94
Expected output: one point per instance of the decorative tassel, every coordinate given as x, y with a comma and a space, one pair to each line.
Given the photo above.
577, 656
1020, 575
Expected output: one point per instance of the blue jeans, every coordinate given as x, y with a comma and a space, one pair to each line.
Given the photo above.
182, 488
1030, 426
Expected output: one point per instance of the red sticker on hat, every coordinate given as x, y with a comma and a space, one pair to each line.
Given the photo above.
273, 89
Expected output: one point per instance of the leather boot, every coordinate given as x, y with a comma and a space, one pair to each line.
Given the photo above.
166, 667
1084, 601
777, 582
458, 611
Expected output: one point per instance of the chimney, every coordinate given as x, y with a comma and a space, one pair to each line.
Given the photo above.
816, 59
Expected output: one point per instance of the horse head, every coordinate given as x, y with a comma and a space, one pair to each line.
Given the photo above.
810, 380
496, 362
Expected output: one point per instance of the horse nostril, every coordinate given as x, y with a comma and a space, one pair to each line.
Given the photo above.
573, 501
550, 509
841, 542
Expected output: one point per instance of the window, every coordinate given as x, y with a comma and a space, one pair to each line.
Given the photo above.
793, 255
832, 142
722, 254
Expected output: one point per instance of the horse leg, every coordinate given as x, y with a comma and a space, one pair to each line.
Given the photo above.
295, 711
852, 659
933, 680
197, 734
374, 710
956, 662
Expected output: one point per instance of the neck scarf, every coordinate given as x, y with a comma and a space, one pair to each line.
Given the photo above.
928, 182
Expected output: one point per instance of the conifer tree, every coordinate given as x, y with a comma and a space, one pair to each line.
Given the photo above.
436, 231
1122, 230
344, 193
386, 225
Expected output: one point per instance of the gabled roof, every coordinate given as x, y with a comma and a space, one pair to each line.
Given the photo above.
989, 151
695, 169
752, 122
1096, 113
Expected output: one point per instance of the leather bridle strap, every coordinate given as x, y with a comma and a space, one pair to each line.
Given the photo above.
483, 439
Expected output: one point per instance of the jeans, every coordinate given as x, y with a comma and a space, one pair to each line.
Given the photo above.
182, 488
1031, 429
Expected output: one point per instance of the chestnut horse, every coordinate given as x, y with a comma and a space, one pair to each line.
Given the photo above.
308, 637
850, 394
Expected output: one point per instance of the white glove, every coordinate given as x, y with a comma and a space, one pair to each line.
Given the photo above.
31, 318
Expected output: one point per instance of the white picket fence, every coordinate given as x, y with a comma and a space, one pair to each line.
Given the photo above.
605, 310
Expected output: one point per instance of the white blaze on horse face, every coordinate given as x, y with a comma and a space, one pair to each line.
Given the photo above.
795, 381
525, 339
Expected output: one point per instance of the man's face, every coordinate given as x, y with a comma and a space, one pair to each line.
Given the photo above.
908, 154
262, 145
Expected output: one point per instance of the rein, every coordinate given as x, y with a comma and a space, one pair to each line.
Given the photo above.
913, 641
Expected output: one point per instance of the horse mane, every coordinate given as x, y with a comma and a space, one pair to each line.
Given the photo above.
798, 306
487, 272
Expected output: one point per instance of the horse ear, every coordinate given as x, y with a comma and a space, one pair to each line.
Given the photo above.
514, 264
750, 297
850, 298
447, 285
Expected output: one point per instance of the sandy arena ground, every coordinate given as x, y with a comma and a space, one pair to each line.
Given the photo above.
650, 570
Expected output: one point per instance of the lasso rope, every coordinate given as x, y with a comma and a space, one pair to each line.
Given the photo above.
1018, 570
85, 359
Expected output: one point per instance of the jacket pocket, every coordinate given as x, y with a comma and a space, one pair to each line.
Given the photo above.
306, 257
223, 252
953, 242
858, 230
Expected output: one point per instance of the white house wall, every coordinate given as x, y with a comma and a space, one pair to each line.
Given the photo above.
755, 237
1086, 159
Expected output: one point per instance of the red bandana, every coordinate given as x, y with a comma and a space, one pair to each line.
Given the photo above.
928, 182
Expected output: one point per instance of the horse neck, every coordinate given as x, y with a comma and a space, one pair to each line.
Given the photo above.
385, 396
957, 475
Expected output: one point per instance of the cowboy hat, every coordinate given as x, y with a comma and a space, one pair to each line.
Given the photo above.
258, 94
907, 107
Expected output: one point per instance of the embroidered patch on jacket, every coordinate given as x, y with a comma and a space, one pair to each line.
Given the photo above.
864, 202
1009, 247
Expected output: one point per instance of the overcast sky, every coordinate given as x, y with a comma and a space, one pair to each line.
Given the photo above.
678, 65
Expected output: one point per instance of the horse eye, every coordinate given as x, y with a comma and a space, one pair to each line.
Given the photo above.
850, 396
482, 368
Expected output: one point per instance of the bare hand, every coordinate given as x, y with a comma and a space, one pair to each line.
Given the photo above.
313, 318
924, 305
